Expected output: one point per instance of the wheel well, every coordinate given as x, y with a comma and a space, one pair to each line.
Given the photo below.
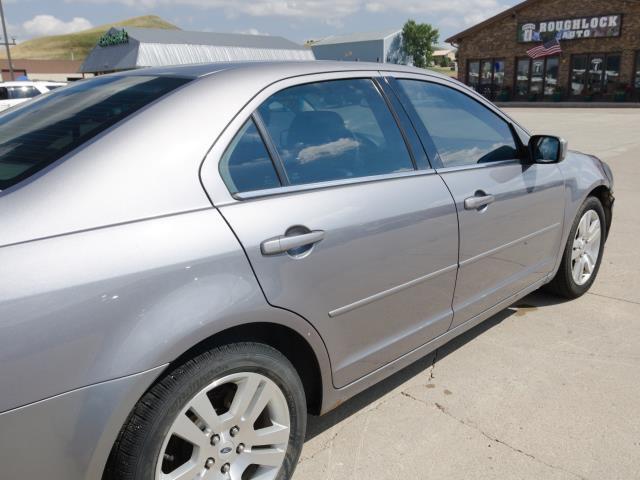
287, 341
603, 194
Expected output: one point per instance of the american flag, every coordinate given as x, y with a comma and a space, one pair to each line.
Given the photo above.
549, 48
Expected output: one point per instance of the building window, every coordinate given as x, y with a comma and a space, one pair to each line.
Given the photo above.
551, 76
536, 77
637, 80
486, 76
578, 69
612, 73
522, 77
473, 74
594, 74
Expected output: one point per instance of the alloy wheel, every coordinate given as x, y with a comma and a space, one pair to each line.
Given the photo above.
236, 428
586, 247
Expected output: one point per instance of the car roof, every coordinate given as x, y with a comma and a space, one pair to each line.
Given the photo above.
287, 68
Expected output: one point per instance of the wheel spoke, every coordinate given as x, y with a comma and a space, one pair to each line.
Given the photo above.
202, 406
273, 435
582, 226
244, 395
261, 398
588, 264
184, 428
594, 237
270, 457
578, 267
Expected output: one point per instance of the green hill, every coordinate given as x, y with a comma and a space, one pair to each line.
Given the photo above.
77, 45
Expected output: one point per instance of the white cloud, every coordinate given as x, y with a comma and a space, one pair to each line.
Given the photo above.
49, 25
251, 31
461, 12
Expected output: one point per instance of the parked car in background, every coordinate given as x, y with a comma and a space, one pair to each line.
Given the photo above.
15, 93
193, 258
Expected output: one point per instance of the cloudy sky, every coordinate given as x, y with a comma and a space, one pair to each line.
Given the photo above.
298, 20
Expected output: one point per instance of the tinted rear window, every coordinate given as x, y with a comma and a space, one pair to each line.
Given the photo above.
40, 132
22, 92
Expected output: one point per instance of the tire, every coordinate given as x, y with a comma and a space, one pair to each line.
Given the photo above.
564, 284
175, 408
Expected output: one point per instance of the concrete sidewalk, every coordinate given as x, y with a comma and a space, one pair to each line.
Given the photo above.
544, 390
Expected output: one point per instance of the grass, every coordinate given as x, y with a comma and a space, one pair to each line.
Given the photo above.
444, 71
76, 46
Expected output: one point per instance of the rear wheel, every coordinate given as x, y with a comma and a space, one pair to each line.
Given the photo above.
235, 412
582, 253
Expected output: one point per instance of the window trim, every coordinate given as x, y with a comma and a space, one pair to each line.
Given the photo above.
278, 164
423, 131
346, 182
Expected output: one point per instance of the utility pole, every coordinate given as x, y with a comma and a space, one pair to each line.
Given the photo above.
6, 42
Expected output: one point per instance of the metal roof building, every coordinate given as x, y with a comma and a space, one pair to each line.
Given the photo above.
382, 47
128, 48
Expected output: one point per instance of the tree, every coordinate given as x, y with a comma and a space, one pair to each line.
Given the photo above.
418, 40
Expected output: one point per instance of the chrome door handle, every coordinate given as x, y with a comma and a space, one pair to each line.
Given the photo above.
282, 244
474, 203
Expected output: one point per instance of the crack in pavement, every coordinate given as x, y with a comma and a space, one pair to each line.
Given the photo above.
633, 302
442, 409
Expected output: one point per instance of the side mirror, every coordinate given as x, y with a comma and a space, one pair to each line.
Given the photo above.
547, 149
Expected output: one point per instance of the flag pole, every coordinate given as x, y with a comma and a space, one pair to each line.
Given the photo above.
6, 42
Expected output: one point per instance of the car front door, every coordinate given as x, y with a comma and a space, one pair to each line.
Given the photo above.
337, 221
510, 210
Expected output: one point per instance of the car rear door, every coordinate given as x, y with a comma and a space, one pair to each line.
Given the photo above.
510, 211
339, 224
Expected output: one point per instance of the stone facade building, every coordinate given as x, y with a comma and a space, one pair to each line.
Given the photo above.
600, 57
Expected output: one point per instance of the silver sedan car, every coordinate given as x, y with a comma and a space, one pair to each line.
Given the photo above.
195, 258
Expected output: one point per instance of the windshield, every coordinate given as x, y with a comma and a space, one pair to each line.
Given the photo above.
43, 130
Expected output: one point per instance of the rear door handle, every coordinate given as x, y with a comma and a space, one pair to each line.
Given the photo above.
282, 244
476, 202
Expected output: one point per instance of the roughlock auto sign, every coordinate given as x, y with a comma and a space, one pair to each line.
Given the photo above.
114, 37
570, 28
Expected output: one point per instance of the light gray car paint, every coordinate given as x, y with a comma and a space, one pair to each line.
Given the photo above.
503, 247
84, 231
378, 235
